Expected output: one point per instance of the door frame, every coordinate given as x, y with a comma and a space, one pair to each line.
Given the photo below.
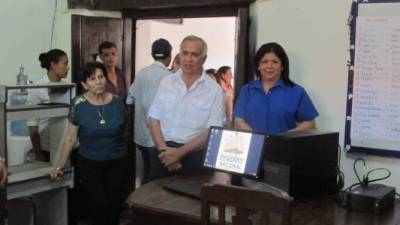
240, 11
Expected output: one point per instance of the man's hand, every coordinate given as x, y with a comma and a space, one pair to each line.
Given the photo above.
169, 156
175, 166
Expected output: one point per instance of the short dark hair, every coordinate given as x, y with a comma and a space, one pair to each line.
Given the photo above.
161, 49
89, 69
106, 45
222, 70
54, 55
211, 71
280, 53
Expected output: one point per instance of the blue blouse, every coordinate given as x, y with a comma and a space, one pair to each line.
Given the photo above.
276, 111
98, 141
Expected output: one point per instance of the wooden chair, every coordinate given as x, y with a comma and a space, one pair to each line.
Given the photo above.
244, 200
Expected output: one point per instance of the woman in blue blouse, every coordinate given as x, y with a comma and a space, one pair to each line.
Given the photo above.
273, 103
97, 118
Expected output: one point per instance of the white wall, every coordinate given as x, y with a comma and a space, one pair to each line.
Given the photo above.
315, 36
24, 37
143, 44
27, 27
218, 33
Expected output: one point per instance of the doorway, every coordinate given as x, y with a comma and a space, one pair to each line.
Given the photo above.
218, 32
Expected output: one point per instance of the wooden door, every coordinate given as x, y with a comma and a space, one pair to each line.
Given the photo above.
89, 32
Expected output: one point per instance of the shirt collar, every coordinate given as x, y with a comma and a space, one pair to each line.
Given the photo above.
201, 79
258, 85
45, 79
160, 64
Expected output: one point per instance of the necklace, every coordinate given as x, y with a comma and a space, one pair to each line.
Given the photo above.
102, 120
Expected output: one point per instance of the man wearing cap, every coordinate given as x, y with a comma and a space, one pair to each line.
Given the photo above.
141, 94
187, 103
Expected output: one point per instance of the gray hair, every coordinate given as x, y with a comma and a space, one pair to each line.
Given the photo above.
194, 38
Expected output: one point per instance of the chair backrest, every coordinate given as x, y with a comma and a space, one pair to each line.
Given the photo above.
244, 201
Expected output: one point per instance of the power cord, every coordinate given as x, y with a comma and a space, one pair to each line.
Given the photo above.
340, 178
355, 170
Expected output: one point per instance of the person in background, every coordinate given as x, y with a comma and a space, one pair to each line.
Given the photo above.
141, 94
55, 62
97, 118
175, 64
3, 172
224, 78
212, 73
187, 103
116, 82
273, 103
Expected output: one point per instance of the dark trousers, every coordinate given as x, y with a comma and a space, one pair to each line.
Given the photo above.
3, 201
192, 163
103, 183
75, 195
146, 152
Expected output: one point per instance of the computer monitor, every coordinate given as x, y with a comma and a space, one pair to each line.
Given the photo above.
234, 151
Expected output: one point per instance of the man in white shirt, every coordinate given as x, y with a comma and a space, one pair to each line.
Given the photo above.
187, 103
141, 94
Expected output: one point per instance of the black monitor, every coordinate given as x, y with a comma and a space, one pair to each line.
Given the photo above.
234, 151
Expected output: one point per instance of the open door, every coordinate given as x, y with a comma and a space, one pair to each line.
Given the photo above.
88, 33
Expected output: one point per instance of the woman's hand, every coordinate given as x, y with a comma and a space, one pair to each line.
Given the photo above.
57, 173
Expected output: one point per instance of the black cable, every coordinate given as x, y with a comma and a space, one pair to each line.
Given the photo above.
340, 181
378, 179
353, 185
355, 170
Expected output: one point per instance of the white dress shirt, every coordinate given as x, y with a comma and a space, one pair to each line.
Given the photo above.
141, 93
185, 113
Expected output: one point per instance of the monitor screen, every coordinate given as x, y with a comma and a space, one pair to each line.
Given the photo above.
234, 151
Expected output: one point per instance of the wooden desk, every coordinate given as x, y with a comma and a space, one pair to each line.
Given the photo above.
152, 205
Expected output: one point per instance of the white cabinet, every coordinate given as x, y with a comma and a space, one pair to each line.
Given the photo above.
32, 179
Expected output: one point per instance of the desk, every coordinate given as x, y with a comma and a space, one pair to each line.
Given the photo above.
152, 205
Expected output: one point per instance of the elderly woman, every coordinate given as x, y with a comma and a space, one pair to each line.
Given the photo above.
97, 118
273, 103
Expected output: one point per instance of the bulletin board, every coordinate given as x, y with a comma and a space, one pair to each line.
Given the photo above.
373, 99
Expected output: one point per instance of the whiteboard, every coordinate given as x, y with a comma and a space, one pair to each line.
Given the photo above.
373, 107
